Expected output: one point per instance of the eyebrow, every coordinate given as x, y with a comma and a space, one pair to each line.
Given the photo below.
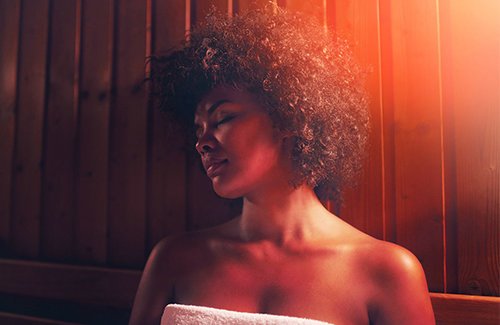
216, 105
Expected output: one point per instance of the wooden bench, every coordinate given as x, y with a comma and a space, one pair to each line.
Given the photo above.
46, 293
65, 293
467, 310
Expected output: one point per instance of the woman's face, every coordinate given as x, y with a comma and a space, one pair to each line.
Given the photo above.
240, 150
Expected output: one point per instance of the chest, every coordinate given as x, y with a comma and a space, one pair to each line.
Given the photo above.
318, 288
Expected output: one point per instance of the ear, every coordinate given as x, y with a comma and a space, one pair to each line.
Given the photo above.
288, 142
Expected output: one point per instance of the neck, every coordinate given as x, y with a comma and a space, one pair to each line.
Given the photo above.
292, 216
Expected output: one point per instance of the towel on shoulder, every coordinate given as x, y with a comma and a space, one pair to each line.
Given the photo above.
175, 314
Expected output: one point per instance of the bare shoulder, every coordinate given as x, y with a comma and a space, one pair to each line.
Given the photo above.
176, 254
384, 263
389, 262
171, 257
398, 288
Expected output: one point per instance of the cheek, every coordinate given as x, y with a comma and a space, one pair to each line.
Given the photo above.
258, 157
252, 143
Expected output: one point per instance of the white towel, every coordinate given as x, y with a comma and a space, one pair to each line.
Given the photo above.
192, 315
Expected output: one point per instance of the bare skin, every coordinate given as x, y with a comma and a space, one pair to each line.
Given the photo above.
285, 254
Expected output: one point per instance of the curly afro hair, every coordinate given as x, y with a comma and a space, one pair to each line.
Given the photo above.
304, 76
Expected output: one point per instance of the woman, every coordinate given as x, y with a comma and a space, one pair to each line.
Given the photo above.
280, 120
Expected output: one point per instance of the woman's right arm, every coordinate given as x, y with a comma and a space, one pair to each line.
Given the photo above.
155, 288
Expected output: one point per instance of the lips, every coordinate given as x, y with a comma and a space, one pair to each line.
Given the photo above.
213, 166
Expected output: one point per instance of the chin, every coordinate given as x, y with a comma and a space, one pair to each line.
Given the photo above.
225, 191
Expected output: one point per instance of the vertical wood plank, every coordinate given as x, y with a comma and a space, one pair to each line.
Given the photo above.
169, 25
167, 160
59, 149
128, 134
93, 128
9, 46
26, 206
450, 176
471, 70
387, 120
415, 81
357, 22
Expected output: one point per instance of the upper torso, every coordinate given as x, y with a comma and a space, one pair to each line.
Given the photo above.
346, 278
324, 281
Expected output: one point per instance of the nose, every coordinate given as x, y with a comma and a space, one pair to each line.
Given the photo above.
206, 143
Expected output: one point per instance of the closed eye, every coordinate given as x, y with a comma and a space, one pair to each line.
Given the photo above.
225, 119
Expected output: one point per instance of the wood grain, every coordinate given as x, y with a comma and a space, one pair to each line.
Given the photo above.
93, 129
83, 284
167, 156
387, 120
465, 310
9, 51
415, 96
15, 319
449, 155
128, 136
436, 132
471, 66
28, 164
358, 23
61, 124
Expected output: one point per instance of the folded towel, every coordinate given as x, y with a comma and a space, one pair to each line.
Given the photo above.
191, 315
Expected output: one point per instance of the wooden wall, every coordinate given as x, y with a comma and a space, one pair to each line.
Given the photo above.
91, 174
